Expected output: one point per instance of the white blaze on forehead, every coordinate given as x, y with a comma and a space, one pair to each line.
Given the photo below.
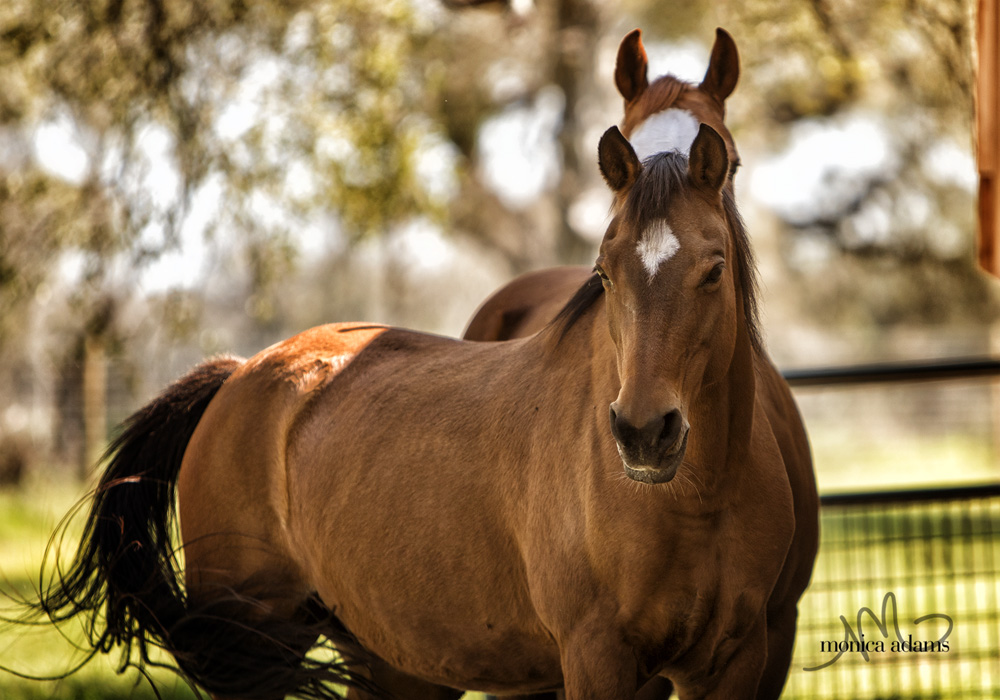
669, 130
657, 245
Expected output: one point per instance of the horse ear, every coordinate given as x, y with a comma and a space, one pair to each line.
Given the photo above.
723, 67
709, 161
618, 162
631, 66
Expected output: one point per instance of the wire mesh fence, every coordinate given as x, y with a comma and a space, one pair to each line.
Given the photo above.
905, 598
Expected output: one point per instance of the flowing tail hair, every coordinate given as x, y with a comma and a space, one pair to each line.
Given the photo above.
125, 577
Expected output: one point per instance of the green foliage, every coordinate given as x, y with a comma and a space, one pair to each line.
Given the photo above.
811, 57
330, 99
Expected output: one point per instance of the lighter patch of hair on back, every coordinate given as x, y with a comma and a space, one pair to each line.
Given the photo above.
657, 245
669, 130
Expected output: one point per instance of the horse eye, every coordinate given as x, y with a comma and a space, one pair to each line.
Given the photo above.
600, 273
714, 276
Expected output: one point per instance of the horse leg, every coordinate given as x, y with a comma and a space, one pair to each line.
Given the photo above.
296, 649
598, 668
249, 631
738, 675
252, 619
780, 644
396, 685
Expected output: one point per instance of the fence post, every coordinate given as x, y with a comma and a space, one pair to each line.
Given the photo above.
95, 402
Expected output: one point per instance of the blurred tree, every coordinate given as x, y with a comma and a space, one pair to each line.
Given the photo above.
286, 105
129, 127
497, 63
291, 104
891, 234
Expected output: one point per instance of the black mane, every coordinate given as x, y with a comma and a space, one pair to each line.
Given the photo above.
584, 298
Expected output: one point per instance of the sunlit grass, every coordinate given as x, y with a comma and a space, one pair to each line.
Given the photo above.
27, 521
848, 461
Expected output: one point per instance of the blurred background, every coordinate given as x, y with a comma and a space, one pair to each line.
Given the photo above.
180, 178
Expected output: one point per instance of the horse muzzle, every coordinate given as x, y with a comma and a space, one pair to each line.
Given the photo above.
651, 453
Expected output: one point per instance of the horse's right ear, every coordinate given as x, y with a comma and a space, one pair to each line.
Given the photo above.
709, 161
618, 162
723, 67
631, 66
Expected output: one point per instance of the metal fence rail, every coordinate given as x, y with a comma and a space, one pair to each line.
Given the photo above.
904, 556
964, 368
902, 566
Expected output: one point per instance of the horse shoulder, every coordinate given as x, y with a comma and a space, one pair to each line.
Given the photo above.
758, 521
790, 433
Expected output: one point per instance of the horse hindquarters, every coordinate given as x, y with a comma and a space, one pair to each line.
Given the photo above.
252, 613
125, 569
526, 304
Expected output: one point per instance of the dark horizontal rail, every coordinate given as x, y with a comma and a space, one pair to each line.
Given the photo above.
969, 368
948, 493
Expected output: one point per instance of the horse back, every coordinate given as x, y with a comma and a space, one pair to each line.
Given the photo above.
526, 304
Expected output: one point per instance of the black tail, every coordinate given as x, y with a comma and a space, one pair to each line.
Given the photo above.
126, 571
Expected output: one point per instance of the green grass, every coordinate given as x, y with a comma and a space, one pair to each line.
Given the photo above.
847, 460
27, 520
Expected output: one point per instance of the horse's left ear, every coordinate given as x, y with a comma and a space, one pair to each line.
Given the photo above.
631, 66
723, 67
708, 164
619, 164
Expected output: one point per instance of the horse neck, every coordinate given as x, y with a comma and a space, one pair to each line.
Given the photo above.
728, 404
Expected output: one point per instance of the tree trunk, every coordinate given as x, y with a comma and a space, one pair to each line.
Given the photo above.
95, 403
574, 72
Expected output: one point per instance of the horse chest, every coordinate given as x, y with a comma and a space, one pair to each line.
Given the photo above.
695, 598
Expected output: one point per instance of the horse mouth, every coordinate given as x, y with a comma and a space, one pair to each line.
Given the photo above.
662, 472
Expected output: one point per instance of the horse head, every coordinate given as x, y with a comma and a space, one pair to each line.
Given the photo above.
665, 115
668, 265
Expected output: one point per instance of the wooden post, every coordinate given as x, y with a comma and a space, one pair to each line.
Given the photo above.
988, 157
987, 139
95, 403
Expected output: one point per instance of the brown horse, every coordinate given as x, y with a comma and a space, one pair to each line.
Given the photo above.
531, 301
660, 116
466, 515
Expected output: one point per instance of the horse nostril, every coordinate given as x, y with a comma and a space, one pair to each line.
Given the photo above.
651, 442
623, 430
616, 429
672, 424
